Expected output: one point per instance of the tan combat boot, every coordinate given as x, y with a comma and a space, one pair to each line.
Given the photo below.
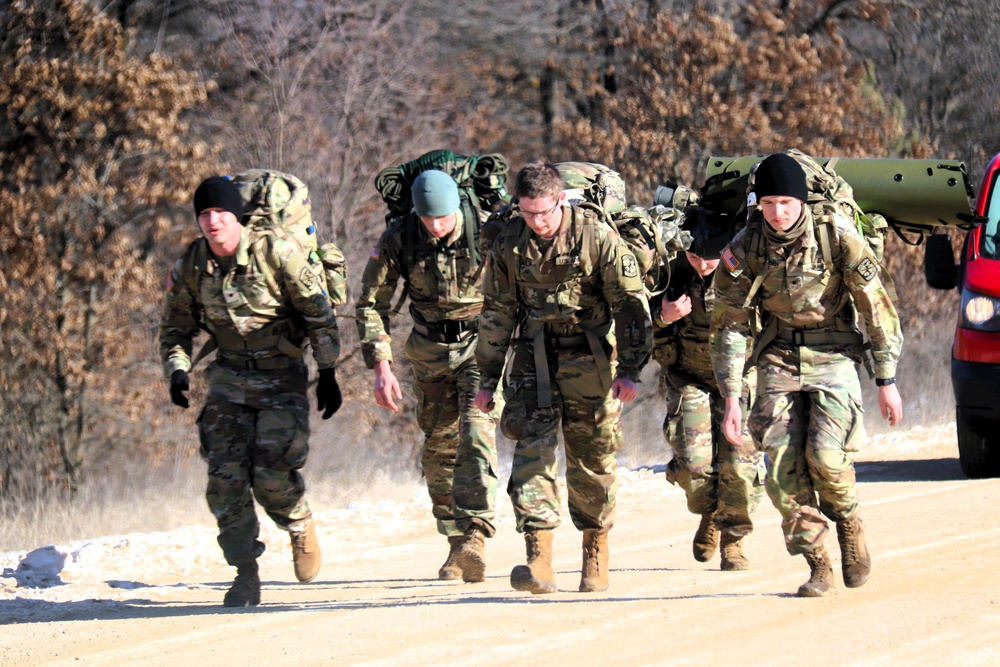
470, 556
706, 538
594, 575
305, 550
245, 591
536, 576
732, 554
450, 570
820, 574
855, 561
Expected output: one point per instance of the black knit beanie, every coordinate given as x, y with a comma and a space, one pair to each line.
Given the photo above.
218, 192
779, 175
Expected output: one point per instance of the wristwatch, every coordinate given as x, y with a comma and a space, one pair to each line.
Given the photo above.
885, 382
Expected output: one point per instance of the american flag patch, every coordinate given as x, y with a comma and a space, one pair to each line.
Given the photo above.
375, 253
729, 259
170, 280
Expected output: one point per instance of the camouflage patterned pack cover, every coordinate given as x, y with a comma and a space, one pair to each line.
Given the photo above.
484, 176
598, 184
276, 200
653, 235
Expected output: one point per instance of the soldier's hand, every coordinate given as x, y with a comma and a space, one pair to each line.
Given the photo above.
179, 383
732, 421
484, 401
328, 396
890, 403
672, 311
624, 390
386, 387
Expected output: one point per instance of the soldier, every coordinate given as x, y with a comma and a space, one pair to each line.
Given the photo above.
441, 268
259, 297
552, 276
723, 481
807, 276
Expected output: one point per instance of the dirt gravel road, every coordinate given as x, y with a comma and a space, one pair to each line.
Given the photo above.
933, 598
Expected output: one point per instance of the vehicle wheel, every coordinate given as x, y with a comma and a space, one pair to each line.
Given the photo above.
978, 453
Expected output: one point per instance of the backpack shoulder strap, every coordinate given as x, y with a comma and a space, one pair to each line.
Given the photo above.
756, 251
827, 235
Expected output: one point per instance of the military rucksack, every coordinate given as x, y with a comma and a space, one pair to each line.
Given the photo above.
829, 193
482, 176
482, 188
602, 189
275, 200
598, 184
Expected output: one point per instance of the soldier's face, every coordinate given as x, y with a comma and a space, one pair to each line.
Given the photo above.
543, 214
702, 267
780, 211
441, 226
222, 230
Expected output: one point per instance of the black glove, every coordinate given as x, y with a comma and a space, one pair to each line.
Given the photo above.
328, 397
178, 385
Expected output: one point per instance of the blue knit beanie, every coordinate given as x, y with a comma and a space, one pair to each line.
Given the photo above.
435, 194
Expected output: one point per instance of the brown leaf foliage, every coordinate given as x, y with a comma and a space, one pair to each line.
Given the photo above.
93, 148
697, 84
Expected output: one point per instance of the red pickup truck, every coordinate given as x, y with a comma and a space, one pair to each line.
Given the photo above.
975, 355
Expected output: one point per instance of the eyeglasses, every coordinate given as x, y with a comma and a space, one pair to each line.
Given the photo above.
535, 215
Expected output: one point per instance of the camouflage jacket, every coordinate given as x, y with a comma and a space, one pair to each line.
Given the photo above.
800, 292
691, 333
443, 282
583, 278
271, 293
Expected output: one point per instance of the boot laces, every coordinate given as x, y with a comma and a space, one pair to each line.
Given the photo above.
300, 542
849, 542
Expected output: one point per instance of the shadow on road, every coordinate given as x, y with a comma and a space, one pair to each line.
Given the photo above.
920, 470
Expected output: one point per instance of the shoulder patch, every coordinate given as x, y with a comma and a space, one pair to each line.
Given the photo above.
729, 260
376, 253
307, 276
867, 269
630, 268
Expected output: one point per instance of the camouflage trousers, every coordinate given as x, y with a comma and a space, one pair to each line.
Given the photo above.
716, 475
807, 417
591, 426
459, 457
254, 432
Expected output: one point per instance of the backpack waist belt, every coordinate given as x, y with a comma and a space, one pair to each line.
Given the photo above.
225, 341
262, 364
447, 331
543, 338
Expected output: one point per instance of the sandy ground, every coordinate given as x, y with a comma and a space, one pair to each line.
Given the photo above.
933, 597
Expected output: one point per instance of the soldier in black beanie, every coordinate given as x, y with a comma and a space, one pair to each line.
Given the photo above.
809, 279
260, 297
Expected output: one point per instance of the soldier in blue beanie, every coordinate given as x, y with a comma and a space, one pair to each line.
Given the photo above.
431, 251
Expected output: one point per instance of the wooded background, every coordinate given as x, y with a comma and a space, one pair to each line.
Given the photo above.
112, 111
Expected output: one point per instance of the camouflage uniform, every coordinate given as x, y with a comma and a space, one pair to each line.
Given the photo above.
717, 476
556, 296
254, 426
808, 414
443, 283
